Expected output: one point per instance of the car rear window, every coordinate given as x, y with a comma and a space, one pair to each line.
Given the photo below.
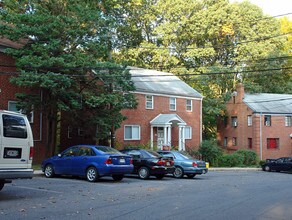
14, 126
107, 150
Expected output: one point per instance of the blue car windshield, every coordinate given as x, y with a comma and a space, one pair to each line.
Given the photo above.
150, 153
183, 155
107, 150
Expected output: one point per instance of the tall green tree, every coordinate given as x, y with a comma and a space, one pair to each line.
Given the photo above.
212, 45
68, 51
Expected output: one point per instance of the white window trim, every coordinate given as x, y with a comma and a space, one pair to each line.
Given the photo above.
234, 121
170, 104
132, 139
288, 121
30, 116
249, 120
69, 132
191, 105
152, 101
189, 136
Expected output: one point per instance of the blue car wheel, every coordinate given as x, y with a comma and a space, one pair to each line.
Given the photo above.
92, 174
49, 171
178, 172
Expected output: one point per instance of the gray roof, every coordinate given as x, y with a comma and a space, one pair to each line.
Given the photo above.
166, 118
152, 81
269, 103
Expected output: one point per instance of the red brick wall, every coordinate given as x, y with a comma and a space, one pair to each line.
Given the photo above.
8, 91
142, 116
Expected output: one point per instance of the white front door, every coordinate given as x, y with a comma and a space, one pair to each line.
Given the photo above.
160, 138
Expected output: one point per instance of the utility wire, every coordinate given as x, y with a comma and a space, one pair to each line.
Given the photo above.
217, 47
169, 74
120, 68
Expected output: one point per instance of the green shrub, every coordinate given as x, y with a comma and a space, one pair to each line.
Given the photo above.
261, 162
194, 153
210, 152
231, 160
250, 157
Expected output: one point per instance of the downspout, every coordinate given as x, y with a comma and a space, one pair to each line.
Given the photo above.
261, 141
41, 119
201, 122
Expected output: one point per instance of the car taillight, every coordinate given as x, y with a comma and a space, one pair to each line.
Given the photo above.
131, 161
171, 163
161, 162
31, 153
108, 161
195, 164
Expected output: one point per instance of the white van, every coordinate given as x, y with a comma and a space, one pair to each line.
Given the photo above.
16, 147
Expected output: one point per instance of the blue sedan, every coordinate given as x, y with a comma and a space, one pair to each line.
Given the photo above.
185, 164
89, 161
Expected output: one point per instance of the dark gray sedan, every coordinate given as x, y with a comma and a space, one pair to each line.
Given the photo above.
280, 164
185, 164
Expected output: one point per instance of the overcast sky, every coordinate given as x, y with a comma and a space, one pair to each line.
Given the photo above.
273, 7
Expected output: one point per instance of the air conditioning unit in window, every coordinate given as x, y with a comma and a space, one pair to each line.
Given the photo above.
235, 124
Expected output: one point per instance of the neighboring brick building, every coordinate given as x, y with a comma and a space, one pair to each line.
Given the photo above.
169, 113
260, 122
8, 99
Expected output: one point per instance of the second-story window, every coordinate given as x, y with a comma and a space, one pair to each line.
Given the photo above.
268, 120
172, 104
288, 121
249, 120
149, 101
234, 121
189, 105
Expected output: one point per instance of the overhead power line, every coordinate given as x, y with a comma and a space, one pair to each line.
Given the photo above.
169, 75
220, 46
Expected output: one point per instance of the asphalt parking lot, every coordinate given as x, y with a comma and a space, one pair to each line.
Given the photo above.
215, 195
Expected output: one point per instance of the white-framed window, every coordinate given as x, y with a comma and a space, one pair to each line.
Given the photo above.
12, 106
268, 120
225, 141
189, 105
132, 132
188, 132
149, 101
234, 121
80, 132
69, 132
172, 104
249, 120
288, 121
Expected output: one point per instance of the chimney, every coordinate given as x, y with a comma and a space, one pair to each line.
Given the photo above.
239, 93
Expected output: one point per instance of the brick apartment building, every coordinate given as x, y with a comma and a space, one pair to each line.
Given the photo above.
8, 100
169, 113
260, 122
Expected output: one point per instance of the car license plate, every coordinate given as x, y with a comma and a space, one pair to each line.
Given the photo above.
122, 160
12, 152
167, 163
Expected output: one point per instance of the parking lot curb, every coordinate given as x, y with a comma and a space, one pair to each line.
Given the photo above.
234, 169
38, 173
